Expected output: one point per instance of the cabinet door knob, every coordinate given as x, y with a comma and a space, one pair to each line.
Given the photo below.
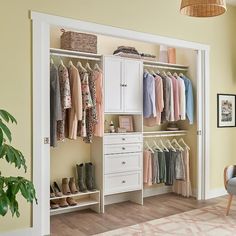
122, 85
123, 162
125, 85
123, 139
123, 148
123, 181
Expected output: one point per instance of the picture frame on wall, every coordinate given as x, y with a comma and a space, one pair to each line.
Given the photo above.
226, 105
126, 122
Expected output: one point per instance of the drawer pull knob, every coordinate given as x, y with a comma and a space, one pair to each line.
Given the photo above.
123, 139
123, 181
123, 148
123, 162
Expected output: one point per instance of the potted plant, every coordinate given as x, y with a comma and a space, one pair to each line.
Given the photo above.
11, 186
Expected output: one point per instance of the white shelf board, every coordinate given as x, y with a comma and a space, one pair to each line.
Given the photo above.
81, 203
76, 194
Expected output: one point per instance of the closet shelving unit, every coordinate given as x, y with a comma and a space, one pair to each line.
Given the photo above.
163, 65
90, 199
75, 54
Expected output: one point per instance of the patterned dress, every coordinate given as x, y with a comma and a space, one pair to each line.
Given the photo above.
86, 102
65, 100
91, 113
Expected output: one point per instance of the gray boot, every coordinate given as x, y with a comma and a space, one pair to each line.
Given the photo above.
90, 182
80, 173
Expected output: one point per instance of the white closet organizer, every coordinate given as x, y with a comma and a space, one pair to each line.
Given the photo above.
118, 157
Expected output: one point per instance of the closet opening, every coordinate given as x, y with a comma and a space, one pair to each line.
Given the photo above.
134, 133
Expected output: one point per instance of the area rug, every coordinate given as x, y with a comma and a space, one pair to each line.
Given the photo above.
207, 221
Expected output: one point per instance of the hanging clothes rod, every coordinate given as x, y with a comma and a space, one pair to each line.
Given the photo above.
166, 67
163, 135
74, 56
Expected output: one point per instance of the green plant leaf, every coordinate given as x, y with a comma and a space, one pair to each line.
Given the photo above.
5, 130
1, 137
6, 116
3, 204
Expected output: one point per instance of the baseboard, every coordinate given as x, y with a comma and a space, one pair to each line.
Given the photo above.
156, 190
216, 193
20, 232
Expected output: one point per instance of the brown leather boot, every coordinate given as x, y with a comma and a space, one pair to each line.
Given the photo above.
53, 205
62, 202
71, 201
57, 190
65, 186
72, 186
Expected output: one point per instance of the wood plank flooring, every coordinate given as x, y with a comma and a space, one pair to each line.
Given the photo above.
119, 215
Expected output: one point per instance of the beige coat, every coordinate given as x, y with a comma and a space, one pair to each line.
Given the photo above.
75, 113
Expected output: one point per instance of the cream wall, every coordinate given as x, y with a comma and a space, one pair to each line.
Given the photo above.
161, 18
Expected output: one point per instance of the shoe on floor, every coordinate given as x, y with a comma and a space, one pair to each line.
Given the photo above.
71, 201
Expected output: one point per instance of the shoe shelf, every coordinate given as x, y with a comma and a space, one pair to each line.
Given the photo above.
86, 200
76, 194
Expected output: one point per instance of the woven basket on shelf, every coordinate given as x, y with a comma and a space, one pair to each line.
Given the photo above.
203, 8
79, 42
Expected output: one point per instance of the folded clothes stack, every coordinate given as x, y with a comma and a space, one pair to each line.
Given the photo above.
125, 51
148, 57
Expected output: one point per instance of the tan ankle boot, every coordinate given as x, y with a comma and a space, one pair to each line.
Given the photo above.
65, 186
72, 185
71, 201
62, 202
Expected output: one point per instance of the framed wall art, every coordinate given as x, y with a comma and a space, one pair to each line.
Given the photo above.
126, 122
226, 104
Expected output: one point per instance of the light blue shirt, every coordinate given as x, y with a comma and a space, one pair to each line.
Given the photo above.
149, 99
189, 99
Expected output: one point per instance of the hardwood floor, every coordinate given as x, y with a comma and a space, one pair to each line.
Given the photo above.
119, 215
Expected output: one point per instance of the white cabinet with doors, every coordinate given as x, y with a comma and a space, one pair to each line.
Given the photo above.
123, 85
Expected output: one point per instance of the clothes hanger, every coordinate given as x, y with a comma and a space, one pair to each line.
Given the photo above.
146, 143
175, 75
163, 73
153, 73
163, 145
155, 144
96, 67
80, 67
182, 141
61, 62
169, 74
70, 63
158, 72
170, 145
174, 141
146, 71
87, 67
181, 75
51, 60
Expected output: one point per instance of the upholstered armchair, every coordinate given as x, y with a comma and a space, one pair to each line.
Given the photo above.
230, 183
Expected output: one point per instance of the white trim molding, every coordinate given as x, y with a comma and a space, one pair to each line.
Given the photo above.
41, 152
218, 192
20, 232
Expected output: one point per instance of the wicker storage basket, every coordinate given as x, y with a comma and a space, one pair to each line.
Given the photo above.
79, 42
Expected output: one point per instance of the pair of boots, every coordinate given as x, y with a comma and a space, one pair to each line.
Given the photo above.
86, 177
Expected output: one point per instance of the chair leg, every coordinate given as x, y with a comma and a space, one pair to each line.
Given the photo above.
229, 204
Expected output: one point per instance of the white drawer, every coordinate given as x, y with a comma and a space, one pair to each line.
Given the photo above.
123, 162
122, 148
118, 183
125, 138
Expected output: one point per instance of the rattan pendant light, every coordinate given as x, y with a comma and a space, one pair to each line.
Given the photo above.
202, 8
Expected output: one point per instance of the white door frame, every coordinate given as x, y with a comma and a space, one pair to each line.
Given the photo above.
41, 151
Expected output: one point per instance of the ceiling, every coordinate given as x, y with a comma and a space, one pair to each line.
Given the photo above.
231, 2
